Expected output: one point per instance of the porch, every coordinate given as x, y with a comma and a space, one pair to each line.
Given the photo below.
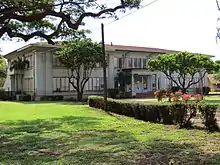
139, 83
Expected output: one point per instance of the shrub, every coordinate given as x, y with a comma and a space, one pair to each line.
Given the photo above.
163, 113
208, 113
51, 98
175, 89
176, 113
160, 94
206, 90
112, 93
183, 113
186, 97
176, 96
25, 97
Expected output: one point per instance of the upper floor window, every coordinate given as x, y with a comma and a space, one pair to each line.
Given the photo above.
130, 62
30, 58
135, 63
56, 61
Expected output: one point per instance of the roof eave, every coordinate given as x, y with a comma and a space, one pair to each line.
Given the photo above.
7, 56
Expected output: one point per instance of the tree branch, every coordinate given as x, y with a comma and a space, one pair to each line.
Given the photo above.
192, 83
169, 76
27, 37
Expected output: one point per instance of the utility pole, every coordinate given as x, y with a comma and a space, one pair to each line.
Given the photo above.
104, 68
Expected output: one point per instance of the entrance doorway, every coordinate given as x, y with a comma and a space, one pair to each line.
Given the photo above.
142, 83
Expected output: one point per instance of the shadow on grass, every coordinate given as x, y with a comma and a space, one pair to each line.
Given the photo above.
163, 152
69, 140
82, 141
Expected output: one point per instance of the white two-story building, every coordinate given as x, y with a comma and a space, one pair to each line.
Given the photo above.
47, 76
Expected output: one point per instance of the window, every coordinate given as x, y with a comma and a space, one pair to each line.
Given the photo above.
97, 83
144, 63
31, 61
120, 63
129, 62
61, 84
116, 62
135, 62
139, 63
56, 61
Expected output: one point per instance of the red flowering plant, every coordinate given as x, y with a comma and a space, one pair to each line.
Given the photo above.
186, 97
160, 94
176, 96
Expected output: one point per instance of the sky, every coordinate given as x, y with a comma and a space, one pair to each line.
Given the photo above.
184, 25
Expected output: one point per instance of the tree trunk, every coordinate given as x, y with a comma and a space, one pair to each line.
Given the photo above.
184, 90
79, 96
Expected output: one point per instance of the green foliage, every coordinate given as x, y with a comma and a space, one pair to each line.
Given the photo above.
123, 78
112, 93
3, 68
80, 58
176, 113
184, 64
25, 97
208, 113
52, 98
50, 19
19, 65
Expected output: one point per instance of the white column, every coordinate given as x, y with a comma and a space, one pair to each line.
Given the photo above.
133, 85
49, 73
40, 81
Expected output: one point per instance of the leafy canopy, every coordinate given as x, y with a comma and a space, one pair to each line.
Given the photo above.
2, 67
20, 64
180, 66
80, 53
80, 58
51, 19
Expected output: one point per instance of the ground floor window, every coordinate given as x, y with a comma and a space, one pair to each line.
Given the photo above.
61, 84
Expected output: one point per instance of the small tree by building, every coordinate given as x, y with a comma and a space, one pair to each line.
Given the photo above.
3, 72
80, 58
19, 66
181, 68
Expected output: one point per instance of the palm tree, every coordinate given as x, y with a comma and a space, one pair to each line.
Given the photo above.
19, 66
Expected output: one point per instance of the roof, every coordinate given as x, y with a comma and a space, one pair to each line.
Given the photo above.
109, 47
212, 79
138, 49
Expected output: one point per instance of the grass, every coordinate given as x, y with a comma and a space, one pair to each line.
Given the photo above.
64, 133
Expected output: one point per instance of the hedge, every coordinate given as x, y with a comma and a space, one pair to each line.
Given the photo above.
175, 113
52, 98
25, 97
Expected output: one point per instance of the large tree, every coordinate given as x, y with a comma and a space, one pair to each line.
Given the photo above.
80, 58
181, 68
50, 19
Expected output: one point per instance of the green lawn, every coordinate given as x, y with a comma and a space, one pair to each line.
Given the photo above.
71, 134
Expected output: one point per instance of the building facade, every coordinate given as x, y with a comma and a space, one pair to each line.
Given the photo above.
47, 76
